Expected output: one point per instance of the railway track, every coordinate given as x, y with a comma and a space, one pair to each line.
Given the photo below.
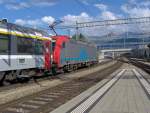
50, 77
141, 65
47, 100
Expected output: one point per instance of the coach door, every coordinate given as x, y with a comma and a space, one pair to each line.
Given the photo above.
47, 55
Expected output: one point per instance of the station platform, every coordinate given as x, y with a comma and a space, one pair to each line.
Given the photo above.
126, 91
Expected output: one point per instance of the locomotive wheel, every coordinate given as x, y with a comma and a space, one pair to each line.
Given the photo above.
71, 67
75, 67
2, 78
66, 69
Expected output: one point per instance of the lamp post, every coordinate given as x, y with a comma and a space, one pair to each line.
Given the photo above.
77, 28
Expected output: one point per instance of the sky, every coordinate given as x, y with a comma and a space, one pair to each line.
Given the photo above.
41, 13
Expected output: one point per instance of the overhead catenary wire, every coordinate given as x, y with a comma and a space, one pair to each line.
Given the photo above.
122, 21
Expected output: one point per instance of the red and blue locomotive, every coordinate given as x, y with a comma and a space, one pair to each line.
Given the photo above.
70, 54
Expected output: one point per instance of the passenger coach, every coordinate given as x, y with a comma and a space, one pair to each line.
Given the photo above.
23, 51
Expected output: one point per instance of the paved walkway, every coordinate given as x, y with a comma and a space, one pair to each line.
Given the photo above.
125, 96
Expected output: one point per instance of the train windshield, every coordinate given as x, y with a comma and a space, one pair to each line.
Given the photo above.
4, 41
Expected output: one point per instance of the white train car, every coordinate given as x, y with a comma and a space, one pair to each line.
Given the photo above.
21, 49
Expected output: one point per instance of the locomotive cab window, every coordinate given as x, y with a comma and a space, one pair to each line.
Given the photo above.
4, 42
53, 45
64, 45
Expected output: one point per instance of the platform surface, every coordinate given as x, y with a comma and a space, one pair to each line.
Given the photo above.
126, 96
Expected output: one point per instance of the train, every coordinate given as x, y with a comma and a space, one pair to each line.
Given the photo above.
26, 52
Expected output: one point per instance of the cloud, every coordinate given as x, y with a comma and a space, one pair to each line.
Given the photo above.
72, 19
94, 31
85, 2
104, 14
136, 8
107, 15
16, 5
132, 9
24, 22
137, 12
102, 7
146, 3
12, 4
48, 19
43, 2
20, 22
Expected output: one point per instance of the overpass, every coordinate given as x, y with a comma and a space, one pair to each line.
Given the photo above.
112, 52
116, 50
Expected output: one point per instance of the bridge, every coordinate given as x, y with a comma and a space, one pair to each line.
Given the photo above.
112, 53
117, 50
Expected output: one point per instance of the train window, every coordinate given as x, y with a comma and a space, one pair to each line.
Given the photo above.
4, 41
25, 45
39, 47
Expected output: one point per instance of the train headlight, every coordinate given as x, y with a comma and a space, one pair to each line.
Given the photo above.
51, 56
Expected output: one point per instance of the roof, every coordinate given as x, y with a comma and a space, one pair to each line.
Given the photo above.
21, 31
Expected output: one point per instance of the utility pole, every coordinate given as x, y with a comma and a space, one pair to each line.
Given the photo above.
143, 41
77, 28
126, 37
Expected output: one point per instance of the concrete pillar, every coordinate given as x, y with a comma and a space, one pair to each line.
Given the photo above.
113, 54
101, 56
